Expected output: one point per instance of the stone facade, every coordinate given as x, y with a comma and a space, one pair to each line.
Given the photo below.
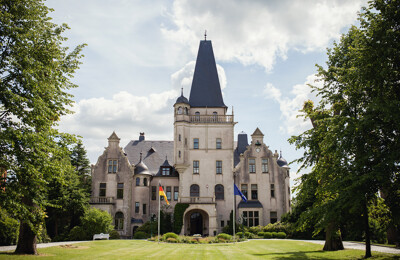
199, 167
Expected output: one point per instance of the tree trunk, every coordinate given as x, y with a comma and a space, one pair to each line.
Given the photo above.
26, 240
367, 233
333, 238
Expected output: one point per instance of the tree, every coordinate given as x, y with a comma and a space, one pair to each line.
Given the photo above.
359, 138
35, 72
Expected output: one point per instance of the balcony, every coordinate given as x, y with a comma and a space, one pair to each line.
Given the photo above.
197, 200
212, 119
102, 200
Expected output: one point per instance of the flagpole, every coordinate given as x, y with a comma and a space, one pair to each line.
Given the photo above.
234, 218
159, 210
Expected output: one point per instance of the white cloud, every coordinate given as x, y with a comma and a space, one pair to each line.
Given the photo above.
290, 107
259, 32
96, 118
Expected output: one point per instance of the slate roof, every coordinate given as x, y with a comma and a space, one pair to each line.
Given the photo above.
242, 144
250, 204
205, 90
281, 161
154, 153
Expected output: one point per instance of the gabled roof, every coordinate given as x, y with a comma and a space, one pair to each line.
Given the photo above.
206, 90
257, 132
113, 136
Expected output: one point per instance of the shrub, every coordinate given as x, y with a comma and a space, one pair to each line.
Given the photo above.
224, 236
170, 235
267, 235
114, 234
274, 234
9, 229
255, 229
140, 235
240, 234
172, 240
248, 235
281, 235
260, 234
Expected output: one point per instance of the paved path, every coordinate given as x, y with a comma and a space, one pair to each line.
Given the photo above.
360, 246
42, 245
347, 245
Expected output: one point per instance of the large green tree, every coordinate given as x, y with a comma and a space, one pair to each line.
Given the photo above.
355, 150
35, 73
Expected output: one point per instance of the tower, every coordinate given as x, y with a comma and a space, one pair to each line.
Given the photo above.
203, 149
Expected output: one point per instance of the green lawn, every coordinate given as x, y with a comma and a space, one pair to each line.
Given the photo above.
254, 249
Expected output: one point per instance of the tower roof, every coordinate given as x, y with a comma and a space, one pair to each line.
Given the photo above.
206, 90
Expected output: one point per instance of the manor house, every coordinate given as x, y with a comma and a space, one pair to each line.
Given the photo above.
199, 167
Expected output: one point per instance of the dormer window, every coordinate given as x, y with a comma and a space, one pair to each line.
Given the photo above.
166, 171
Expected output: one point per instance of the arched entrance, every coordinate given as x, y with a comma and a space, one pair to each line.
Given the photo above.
196, 223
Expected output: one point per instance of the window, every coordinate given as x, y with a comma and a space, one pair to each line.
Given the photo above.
179, 154
119, 221
185, 141
222, 223
218, 167
179, 137
169, 193
264, 165
215, 116
288, 190
112, 166
137, 181
186, 110
180, 110
272, 190
196, 143
197, 116
244, 190
194, 190
103, 188
137, 205
165, 171
120, 191
251, 218
176, 193
219, 143
153, 192
254, 192
144, 208
252, 165
219, 192
273, 217
196, 167
145, 182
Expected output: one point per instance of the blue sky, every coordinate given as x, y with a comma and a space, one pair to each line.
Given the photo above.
140, 53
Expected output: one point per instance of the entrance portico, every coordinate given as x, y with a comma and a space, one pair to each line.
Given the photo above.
200, 220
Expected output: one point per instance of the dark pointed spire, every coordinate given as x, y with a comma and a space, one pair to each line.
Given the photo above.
206, 90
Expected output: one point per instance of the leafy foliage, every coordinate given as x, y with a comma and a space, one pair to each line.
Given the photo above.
178, 216
35, 73
8, 229
354, 145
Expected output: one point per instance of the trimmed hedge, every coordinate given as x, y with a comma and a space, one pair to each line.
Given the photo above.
267, 235
178, 216
140, 235
224, 236
168, 235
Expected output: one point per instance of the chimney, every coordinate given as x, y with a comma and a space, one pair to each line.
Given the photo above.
141, 137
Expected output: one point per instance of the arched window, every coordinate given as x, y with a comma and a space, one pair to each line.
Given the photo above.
194, 190
186, 111
215, 116
219, 192
197, 116
119, 220
180, 110
137, 181
145, 182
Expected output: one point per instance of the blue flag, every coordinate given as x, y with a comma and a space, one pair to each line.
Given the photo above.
238, 192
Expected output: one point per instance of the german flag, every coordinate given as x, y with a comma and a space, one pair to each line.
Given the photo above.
162, 193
